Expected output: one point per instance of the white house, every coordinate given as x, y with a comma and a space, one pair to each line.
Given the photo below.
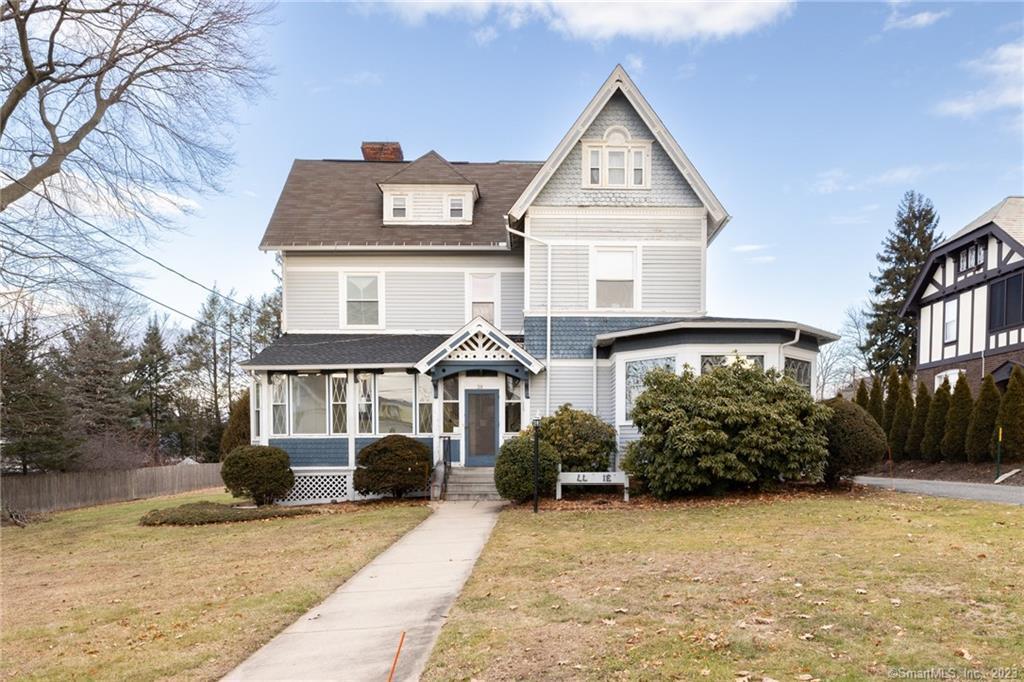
452, 301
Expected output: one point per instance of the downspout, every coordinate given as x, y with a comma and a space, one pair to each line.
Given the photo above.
593, 382
547, 311
782, 354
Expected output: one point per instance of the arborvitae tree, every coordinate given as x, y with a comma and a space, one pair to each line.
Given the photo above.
892, 396
1011, 416
912, 449
892, 338
981, 433
903, 416
237, 430
153, 383
958, 419
935, 425
862, 395
875, 407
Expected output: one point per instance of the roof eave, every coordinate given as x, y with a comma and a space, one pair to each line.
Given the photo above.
607, 339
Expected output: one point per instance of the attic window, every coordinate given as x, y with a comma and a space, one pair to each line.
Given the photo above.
455, 207
397, 207
617, 160
971, 257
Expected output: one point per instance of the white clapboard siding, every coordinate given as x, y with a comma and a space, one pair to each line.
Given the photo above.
511, 319
425, 300
311, 300
573, 383
671, 276
606, 393
537, 383
419, 261
570, 265
608, 224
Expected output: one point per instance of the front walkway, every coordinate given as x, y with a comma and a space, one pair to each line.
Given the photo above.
353, 634
983, 492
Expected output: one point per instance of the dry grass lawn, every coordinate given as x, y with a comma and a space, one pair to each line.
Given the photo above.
91, 594
811, 586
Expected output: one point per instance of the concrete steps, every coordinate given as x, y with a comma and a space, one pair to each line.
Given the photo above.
472, 483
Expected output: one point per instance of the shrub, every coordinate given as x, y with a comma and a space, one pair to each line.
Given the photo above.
394, 465
258, 472
200, 513
236, 433
935, 425
922, 404
855, 441
734, 426
901, 421
981, 432
892, 397
1011, 416
582, 441
862, 398
958, 419
513, 470
875, 408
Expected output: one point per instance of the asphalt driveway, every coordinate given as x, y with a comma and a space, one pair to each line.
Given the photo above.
983, 492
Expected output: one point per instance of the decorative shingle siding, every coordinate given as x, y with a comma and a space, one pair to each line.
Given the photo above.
573, 337
668, 187
314, 452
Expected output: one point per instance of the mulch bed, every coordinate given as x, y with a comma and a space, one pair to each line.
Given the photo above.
950, 471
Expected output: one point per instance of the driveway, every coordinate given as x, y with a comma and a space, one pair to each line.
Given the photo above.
354, 633
983, 492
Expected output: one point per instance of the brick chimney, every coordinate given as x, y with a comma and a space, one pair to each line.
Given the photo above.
382, 151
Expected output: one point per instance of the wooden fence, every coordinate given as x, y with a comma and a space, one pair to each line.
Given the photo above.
53, 492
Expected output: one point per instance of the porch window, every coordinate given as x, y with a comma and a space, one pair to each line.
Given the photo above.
395, 395
636, 370
362, 300
364, 402
425, 403
309, 404
799, 371
613, 273
279, 404
450, 403
513, 404
339, 403
949, 320
257, 409
483, 295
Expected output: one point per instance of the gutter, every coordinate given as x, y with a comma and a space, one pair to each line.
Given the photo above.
547, 312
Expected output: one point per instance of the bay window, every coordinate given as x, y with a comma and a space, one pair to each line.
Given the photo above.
612, 271
364, 402
395, 396
339, 403
636, 371
309, 404
362, 300
513, 404
799, 371
279, 404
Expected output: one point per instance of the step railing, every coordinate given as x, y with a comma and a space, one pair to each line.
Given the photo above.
446, 463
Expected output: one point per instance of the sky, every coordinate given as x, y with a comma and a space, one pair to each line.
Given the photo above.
809, 122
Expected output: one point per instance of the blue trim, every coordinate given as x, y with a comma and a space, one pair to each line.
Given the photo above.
450, 367
315, 452
483, 460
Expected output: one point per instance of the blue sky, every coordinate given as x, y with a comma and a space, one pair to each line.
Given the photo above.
808, 121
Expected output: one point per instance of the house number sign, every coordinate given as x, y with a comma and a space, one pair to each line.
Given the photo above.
592, 478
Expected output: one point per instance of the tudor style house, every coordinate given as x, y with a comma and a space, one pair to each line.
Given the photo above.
969, 299
453, 301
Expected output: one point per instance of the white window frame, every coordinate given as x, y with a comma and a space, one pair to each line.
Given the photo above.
330, 402
357, 402
416, 195
470, 300
637, 252
327, 406
951, 374
405, 207
452, 198
616, 138
256, 417
424, 381
621, 411
947, 320
375, 392
343, 298
285, 404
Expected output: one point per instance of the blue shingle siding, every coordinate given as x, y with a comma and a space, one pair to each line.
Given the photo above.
363, 442
573, 337
314, 452
668, 187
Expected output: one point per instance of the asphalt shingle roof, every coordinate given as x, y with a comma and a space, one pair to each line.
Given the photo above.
342, 350
1008, 214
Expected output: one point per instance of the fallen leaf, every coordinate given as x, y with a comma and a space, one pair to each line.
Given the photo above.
896, 601
608, 621
861, 590
807, 636
964, 654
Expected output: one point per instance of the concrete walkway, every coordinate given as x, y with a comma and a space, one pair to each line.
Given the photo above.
353, 634
983, 492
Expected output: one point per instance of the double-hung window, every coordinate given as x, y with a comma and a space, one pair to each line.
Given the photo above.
279, 404
594, 167
513, 404
364, 402
309, 404
450, 403
398, 207
613, 275
257, 409
949, 321
395, 396
455, 207
616, 162
362, 300
483, 295
616, 167
339, 403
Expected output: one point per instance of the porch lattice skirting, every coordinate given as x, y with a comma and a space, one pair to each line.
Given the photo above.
321, 487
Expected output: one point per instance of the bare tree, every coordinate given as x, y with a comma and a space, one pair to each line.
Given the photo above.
831, 369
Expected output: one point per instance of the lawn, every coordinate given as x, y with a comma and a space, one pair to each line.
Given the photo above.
810, 586
91, 594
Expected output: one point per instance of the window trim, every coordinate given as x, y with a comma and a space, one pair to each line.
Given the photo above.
726, 356
990, 299
256, 416
451, 199
405, 207
343, 297
375, 393
812, 375
357, 402
457, 430
284, 404
327, 405
604, 146
951, 374
622, 415
953, 303
469, 299
506, 401
637, 251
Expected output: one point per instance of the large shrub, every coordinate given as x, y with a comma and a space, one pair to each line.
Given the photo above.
875, 406
855, 441
258, 472
513, 470
236, 433
582, 441
202, 513
892, 398
958, 420
862, 398
394, 465
734, 426
935, 425
902, 419
923, 403
981, 432
1011, 416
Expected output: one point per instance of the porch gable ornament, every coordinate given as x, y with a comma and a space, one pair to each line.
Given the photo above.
592, 478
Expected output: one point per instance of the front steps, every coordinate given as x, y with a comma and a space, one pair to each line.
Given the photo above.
472, 483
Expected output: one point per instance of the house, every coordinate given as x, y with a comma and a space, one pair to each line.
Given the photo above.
455, 301
969, 300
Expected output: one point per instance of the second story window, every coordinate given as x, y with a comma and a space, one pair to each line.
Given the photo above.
398, 207
638, 168
971, 257
949, 320
612, 272
616, 167
1006, 303
595, 166
362, 302
455, 207
483, 295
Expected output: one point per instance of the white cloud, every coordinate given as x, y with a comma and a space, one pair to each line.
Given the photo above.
830, 181
1003, 70
838, 180
747, 248
599, 21
903, 174
485, 35
635, 63
897, 20
761, 259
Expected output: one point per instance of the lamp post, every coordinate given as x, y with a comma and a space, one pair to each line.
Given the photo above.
536, 463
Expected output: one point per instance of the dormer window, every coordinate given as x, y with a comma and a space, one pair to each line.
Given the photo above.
454, 207
397, 207
424, 204
616, 160
971, 257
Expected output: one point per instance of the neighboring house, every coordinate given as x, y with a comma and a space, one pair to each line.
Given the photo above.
454, 301
969, 299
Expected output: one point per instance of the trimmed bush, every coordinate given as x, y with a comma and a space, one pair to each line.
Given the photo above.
901, 421
582, 441
201, 513
855, 441
935, 425
922, 404
1011, 416
958, 420
259, 472
892, 397
981, 432
513, 470
875, 407
394, 465
862, 398
236, 433
736, 426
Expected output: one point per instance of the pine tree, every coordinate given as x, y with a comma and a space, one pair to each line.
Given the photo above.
152, 383
875, 407
892, 396
912, 449
237, 430
958, 420
903, 416
892, 338
96, 373
1011, 416
935, 425
862, 395
981, 433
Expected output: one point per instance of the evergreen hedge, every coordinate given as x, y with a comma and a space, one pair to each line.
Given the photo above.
513, 470
903, 417
875, 408
923, 402
892, 397
236, 432
958, 420
259, 472
935, 425
855, 441
394, 465
981, 432
862, 398
1011, 416
582, 441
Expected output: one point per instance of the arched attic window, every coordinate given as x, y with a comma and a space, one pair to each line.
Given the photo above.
616, 160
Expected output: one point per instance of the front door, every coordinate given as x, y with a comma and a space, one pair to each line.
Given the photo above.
481, 427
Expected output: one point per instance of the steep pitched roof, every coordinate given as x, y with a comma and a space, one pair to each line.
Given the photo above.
429, 169
619, 81
1008, 214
